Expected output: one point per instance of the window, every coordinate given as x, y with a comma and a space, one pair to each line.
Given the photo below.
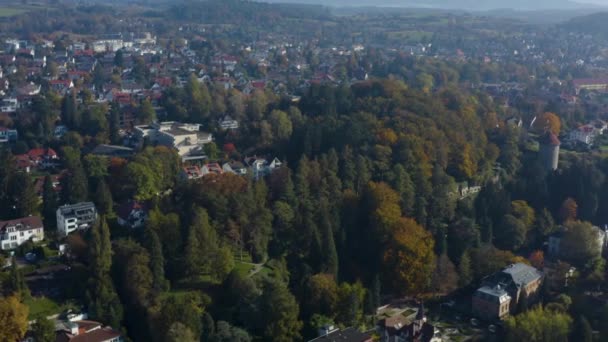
20, 233
14, 238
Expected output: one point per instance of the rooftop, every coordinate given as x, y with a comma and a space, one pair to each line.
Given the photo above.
24, 223
522, 274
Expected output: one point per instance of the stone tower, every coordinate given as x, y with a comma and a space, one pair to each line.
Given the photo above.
549, 151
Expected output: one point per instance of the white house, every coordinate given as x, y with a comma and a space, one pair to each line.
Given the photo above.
228, 122
13, 233
7, 134
74, 217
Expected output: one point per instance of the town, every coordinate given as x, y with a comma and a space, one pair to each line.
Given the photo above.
244, 171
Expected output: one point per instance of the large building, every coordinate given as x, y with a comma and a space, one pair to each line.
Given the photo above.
503, 292
590, 84
549, 151
74, 217
13, 233
186, 138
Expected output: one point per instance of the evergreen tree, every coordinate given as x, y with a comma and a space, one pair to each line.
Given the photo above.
328, 247
279, 313
583, 331
464, 270
102, 301
49, 203
157, 260
25, 201
114, 124
43, 330
16, 284
103, 198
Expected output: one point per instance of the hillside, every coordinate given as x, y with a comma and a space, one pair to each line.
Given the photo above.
473, 5
595, 24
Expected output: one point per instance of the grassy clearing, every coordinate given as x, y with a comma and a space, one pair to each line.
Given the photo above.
42, 305
243, 268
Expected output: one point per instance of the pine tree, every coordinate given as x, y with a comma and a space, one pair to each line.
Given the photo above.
102, 301
23, 195
157, 260
201, 246
114, 124
49, 203
464, 270
103, 198
17, 284
328, 247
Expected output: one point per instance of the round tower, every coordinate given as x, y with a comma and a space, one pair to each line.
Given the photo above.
549, 151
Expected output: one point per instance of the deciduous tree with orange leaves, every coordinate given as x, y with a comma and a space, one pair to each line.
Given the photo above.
409, 258
548, 122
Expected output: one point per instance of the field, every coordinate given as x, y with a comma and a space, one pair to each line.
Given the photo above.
11, 11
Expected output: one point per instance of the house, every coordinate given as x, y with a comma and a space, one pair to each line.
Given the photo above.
132, 214
43, 157
13, 233
74, 217
9, 105
399, 329
330, 333
228, 122
587, 133
214, 168
235, 167
29, 90
590, 84
87, 331
191, 172
260, 167
61, 86
186, 138
555, 239
502, 293
8, 135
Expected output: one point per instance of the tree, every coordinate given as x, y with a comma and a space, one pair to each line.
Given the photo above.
321, 295
522, 211
114, 124
157, 260
13, 315
43, 330
24, 197
279, 312
49, 203
225, 332
445, 278
537, 259
464, 270
178, 332
511, 233
102, 301
350, 304
281, 125
539, 325
146, 113
579, 243
409, 258
568, 210
16, 283
582, 330
103, 198
548, 122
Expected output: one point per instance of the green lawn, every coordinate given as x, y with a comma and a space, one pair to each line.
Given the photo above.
243, 268
42, 305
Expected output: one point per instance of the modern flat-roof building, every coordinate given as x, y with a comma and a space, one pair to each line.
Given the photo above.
74, 217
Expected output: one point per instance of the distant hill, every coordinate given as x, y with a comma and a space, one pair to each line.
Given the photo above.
596, 24
470, 5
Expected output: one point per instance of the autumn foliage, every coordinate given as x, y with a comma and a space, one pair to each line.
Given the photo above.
410, 259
